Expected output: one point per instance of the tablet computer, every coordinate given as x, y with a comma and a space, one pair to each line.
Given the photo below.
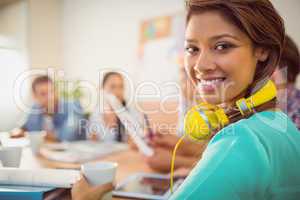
146, 186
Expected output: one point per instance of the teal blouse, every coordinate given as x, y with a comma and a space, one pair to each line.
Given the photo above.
255, 158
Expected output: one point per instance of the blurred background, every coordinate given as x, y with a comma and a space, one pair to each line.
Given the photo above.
78, 38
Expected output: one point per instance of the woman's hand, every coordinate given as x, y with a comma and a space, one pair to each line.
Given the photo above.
132, 144
82, 190
182, 172
160, 160
93, 137
51, 137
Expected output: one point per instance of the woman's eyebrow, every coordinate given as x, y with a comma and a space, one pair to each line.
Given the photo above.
217, 37
191, 40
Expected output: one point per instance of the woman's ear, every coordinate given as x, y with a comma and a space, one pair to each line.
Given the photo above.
261, 54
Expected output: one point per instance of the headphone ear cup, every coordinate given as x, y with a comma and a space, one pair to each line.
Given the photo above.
203, 120
195, 126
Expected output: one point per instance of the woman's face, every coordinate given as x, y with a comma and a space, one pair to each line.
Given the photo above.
115, 86
219, 57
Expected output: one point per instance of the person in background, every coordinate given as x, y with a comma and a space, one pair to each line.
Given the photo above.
59, 118
105, 125
285, 77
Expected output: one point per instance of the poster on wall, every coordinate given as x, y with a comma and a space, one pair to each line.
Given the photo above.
161, 50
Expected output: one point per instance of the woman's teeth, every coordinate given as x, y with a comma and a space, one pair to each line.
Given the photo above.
211, 82
210, 86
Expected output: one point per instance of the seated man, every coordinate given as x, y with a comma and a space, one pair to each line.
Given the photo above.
60, 119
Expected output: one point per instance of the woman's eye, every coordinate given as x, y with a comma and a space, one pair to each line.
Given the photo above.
191, 50
223, 46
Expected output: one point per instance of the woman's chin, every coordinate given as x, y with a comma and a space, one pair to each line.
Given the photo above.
211, 99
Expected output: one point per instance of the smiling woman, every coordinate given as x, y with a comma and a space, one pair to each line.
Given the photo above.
231, 49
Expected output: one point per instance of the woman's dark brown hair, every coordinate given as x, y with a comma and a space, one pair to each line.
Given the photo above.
108, 75
290, 58
260, 21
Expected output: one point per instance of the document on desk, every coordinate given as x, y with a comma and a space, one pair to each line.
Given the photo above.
135, 130
80, 151
57, 178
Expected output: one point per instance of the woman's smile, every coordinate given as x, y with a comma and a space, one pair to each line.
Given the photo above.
210, 84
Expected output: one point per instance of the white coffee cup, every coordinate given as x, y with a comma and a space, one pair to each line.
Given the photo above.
99, 173
36, 139
10, 156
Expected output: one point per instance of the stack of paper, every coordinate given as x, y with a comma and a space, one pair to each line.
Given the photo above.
56, 178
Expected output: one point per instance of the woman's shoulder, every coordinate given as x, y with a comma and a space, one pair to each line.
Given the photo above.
272, 121
266, 125
269, 122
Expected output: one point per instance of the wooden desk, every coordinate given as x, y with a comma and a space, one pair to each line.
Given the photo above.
129, 161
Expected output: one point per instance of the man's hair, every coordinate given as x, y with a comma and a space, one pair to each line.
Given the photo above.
39, 80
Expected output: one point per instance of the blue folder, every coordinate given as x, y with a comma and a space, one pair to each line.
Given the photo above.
23, 192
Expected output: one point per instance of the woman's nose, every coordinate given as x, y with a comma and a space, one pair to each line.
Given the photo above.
204, 62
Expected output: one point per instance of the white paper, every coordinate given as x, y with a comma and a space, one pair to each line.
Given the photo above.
135, 130
80, 151
57, 178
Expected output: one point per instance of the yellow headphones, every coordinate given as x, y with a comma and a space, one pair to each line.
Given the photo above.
204, 119
201, 120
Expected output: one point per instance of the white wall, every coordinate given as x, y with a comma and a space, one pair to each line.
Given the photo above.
290, 12
100, 34
13, 24
13, 58
45, 33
